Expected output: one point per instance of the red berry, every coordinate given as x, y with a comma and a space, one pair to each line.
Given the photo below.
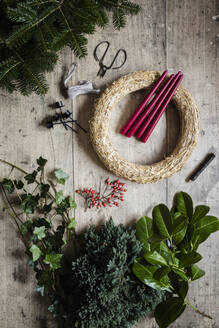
125, 190
78, 191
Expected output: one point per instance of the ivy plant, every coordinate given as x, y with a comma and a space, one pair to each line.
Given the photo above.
170, 241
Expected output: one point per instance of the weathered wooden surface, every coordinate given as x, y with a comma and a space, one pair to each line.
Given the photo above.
169, 34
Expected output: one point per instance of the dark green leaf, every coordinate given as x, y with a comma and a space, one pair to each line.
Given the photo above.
160, 273
145, 274
144, 232
36, 252
18, 184
184, 204
168, 311
61, 176
197, 239
26, 226
186, 260
181, 287
54, 260
196, 272
70, 202
155, 258
206, 225
40, 232
41, 162
179, 236
47, 208
179, 223
180, 273
200, 212
44, 188
162, 220
29, 202
8, 185
30, 178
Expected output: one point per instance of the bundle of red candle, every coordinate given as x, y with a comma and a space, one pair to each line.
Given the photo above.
147, 115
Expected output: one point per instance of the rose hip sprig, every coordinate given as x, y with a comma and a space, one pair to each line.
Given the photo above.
113, 195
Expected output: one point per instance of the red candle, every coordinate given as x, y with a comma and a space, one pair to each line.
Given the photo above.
151, 127
148, 120
143, 104
139, 121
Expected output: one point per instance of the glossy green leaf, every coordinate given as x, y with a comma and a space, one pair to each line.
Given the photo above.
168, 311
26, 226
179, 236
54, 260
70, 202
145, 274
161, 272
155, 258
30, 178
197, 239
196, 272
189, 259
207, 225
39, 232
61, 176
180, 273
200, 212
179, 223
36, 252
144, 232
162, 220
41, 162
184, 204
181, 288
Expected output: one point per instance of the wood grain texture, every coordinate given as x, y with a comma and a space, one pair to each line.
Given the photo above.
169, 34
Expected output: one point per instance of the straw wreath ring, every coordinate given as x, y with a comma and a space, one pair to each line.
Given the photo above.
99, 125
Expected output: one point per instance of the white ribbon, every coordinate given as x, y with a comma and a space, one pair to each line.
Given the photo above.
83, 87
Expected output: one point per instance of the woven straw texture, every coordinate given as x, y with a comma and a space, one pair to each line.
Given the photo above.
99, 128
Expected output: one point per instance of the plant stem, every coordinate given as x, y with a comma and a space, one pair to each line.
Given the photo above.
197, 310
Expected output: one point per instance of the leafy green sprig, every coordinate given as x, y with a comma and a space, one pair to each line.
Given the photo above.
170, 242
44, 220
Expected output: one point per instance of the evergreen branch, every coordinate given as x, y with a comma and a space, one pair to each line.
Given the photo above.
10, 68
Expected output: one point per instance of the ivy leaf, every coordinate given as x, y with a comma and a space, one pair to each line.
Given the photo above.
70, 202
200, 212
36, 252
40, 290
26, 226
18, 184
184, 204
144, 232
54, 260
41, 162
145, 274
207, 225
168, 311
47, 208
8, 185
40, 232
61, 176
30, 178
162, 220
155, 258
59, 197
185, 260
29, 202
72, 224
44, 188
196, 272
